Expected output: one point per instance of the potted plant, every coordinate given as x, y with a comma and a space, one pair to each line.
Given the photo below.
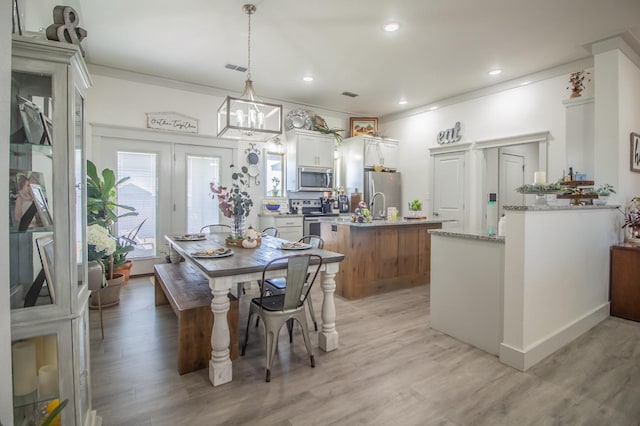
234, 202
102, 209
603, 193
101, 246
415, 206
632, 220
275, 181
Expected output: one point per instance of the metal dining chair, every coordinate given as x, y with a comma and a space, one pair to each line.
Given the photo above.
217, 228
272, 231
278, 285
278, 309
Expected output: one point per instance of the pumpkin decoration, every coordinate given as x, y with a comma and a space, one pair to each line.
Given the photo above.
249, 242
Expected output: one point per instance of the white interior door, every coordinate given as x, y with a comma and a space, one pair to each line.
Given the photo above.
448, 187
195, 167
511, 176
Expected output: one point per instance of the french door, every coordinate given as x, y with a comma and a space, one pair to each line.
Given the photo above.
168, 186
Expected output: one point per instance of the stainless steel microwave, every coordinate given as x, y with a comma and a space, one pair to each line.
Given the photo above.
315, 179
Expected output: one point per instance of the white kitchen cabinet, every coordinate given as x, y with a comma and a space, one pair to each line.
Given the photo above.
374, 150
310, 148
47, 232
289, 226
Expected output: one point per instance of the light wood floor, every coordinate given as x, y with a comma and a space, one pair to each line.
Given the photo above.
391, 369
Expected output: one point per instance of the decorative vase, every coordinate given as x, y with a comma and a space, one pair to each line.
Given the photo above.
125, 269
109, 295
95, 275
237, 231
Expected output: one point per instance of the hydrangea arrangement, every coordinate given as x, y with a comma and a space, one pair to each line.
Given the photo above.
101, 243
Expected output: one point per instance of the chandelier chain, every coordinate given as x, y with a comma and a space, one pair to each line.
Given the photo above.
249, 47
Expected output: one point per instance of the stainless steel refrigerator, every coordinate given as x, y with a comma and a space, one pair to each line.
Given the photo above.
385, 190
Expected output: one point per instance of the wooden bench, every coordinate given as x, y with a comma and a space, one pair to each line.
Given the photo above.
188, 293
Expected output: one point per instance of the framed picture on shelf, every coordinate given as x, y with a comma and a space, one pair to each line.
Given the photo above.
45, 250
363, 126
31, 121
22, 211
635, 152
47, 125
41, 204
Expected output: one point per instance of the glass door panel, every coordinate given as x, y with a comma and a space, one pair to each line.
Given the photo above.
31, 188
139, 192
79, 185
194, 169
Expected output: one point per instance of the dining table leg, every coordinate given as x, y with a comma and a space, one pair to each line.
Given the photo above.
328, 336
220, 369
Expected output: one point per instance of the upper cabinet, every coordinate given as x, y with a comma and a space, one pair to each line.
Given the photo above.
373, 150
47, 222
312, 149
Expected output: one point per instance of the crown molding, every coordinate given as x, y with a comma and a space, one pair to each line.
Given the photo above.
536, 77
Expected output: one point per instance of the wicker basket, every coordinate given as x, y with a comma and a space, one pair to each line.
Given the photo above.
237, 242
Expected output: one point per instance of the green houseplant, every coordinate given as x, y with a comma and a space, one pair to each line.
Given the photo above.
102, 208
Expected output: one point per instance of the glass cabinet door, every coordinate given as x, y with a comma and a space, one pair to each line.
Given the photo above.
31, 183
79, 184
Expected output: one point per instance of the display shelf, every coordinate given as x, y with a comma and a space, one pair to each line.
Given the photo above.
47, 226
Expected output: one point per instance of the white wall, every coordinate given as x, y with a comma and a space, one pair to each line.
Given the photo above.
6, 390
536, 107
120, 102
629, 121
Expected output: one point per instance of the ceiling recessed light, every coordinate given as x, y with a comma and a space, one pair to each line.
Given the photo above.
495, 71
391, 27
403, 102
434, 108
307, 78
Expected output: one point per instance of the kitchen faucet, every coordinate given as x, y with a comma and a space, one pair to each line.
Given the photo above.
384, 204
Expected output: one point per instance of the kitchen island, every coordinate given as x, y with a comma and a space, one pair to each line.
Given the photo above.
380, 256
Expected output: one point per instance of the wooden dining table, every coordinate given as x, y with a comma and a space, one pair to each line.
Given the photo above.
246, 265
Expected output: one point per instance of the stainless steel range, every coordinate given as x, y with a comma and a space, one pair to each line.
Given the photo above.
312, 211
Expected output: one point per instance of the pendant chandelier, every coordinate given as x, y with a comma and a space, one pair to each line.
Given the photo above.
247, 117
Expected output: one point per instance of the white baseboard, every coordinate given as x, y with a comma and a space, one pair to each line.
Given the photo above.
523, 359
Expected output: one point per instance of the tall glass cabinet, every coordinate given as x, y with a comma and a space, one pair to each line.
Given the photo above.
47, 239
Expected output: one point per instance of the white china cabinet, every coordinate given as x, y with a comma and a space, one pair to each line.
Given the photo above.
47, 239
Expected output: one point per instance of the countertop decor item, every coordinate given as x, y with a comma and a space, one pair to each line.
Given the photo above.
632, 221
415, 206
541, 190
247, 117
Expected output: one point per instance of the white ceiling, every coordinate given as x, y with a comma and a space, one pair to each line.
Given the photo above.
443, 48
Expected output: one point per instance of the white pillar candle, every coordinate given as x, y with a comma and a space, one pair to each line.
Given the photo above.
540, 177
24, 367
50, 350
48, 382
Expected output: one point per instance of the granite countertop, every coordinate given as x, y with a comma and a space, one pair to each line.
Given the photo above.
555, 208
346, 220
467, 235
280, 214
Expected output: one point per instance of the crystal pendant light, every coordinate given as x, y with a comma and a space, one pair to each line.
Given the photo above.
247, 117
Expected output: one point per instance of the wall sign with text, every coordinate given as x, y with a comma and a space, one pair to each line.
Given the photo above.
635, 152
172, 121
450, 135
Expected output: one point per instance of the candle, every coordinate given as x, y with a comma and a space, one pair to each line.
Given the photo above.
48, 382
540, 177
24, 367
50, 350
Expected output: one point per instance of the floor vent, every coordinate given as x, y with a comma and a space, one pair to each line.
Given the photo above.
350, 94
236, 68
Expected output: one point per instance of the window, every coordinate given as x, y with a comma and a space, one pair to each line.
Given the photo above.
275, 175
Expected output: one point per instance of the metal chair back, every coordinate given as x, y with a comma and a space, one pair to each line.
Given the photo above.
313, 240
215, 229
272, 231
297, 266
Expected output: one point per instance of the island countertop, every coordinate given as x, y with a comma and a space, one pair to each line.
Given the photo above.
379, 223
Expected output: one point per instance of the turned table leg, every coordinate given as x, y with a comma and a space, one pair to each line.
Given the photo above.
328, 336
220, 370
